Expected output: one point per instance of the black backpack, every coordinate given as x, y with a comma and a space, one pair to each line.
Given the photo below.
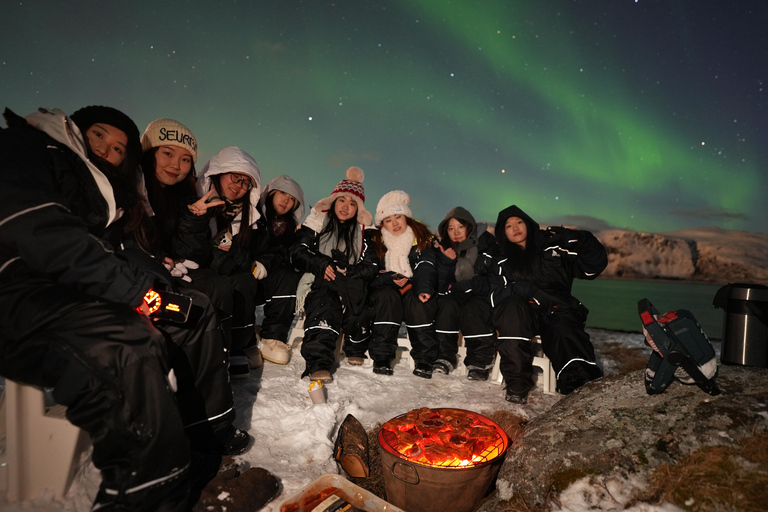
681, 350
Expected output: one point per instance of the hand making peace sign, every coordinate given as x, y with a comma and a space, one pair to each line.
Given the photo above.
200, 206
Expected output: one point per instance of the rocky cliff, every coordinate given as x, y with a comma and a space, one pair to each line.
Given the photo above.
704, 254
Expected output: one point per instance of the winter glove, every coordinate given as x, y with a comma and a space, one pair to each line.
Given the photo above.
258, 270
181, 269
523, 289
562, 239
461, 290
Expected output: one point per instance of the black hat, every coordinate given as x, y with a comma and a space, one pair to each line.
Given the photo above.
88, 116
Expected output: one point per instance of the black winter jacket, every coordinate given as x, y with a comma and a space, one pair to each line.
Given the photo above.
272, 251
192, 240
559, 255
52, 214
424, 272
306, 256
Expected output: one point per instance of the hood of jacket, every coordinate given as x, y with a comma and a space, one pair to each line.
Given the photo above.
289, 186
58, 126
233, 159
461, 214
534, 236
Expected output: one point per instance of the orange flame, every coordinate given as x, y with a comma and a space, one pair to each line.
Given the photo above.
449, 438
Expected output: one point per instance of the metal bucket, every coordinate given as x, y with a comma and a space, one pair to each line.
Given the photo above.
745, 329
420, 488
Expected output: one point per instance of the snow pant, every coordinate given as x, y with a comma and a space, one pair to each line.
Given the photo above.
563, 340
234, 298
108, 364
326, 316
199, 361
386, 309
277, 292
244, 290
471, 317
420, 321
447, 328
219, 289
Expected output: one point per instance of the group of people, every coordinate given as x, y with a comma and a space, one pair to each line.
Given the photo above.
499, 291
95, 219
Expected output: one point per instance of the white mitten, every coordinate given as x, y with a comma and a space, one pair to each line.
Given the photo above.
180, 270
191, 265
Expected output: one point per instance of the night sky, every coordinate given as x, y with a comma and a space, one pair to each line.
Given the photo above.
643, 115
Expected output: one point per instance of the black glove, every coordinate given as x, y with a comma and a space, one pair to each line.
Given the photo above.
563, 238
523, 289
150, 265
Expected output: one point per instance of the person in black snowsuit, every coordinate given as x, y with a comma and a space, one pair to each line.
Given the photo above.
334, 250
178, 237
71, 194
230, 187
68, 302
459, 305
530, 292
401, 290
282, 210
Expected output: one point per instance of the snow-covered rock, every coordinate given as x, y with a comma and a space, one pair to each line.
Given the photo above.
732, 256
635, 254
701, 254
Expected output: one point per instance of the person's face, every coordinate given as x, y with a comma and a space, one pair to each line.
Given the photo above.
235, 185
172, 165
457, 232
345, 208
395, 224
283, 202
516, 231
107, 142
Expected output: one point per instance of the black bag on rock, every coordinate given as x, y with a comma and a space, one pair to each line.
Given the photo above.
681, 350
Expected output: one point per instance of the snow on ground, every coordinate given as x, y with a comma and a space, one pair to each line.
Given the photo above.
294, 438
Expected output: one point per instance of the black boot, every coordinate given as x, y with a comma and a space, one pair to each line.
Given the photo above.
383, 368
423, 370
478, 374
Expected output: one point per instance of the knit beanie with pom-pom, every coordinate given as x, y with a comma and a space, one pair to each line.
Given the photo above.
352, 186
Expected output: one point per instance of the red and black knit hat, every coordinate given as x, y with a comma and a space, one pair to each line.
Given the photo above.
352, 185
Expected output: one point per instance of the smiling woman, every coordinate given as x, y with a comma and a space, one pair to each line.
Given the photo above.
172, 165
108, 142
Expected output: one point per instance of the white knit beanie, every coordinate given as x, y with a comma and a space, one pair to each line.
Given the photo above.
167, 132
393, 203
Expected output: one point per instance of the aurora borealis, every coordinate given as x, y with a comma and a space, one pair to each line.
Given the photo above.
643, 115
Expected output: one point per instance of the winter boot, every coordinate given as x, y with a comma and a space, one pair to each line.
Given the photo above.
323, 376
239, 367
475, 373
275, 351
423, 370
383, 368
442, 366
254, 356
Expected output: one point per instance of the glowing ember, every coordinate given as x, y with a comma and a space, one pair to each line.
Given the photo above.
451, 438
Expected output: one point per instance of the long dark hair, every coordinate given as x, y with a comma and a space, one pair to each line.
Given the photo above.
168, 203
424, 237
345, 231
245, 230
523, 263
125, 182
273, 218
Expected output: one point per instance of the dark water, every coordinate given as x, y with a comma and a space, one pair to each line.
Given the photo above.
612, 303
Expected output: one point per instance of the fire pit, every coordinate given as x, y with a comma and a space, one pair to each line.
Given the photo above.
440, 459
